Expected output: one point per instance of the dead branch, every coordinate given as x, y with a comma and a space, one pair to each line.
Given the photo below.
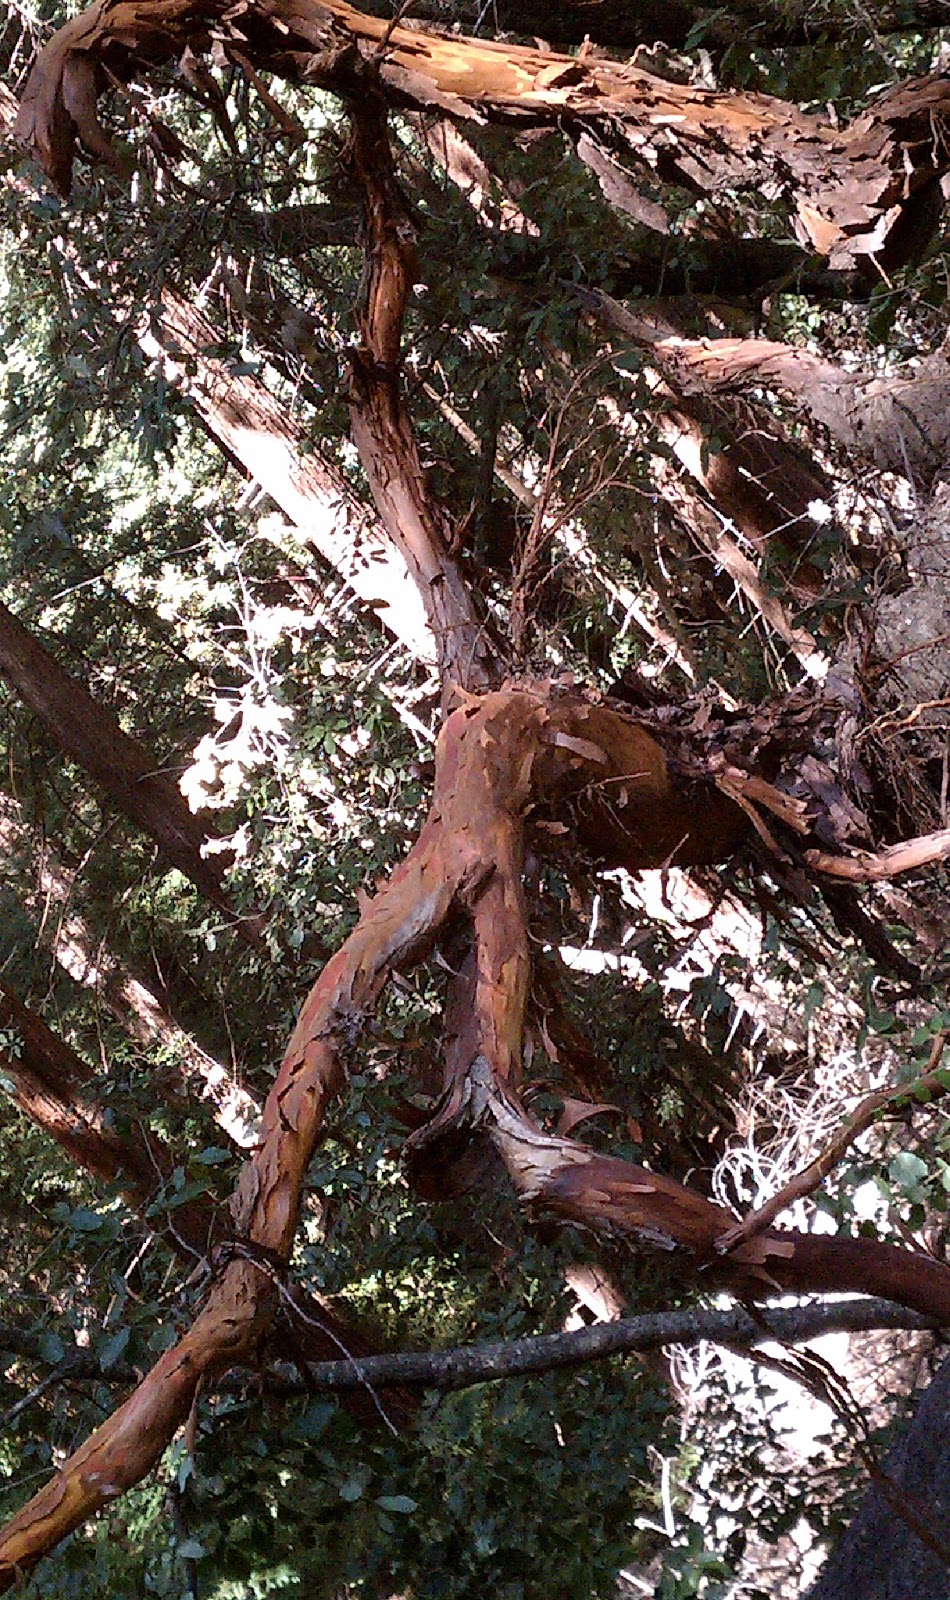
887, 863
930, 1086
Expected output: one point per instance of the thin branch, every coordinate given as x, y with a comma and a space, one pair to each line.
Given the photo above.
931, 1084
492, 1361
489, 1362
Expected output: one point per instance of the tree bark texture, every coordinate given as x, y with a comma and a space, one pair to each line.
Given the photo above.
901, 423
254, 429
869, 190
880, 1556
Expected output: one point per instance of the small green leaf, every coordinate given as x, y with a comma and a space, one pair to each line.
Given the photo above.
111, 1349
52, 1348
398, 1503
212, 1157
82, 1220
906, 1169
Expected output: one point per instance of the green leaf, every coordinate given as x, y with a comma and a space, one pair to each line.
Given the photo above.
907, 1170
314, 1420
82, 1220
191, 1550
213, 1156
401, 1504
111, 1349
52, 1348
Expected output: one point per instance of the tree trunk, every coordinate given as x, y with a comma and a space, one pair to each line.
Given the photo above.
881, 1557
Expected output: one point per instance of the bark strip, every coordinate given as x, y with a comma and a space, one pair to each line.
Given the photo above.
866, 191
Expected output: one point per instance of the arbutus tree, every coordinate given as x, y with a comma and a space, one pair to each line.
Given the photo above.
530, 767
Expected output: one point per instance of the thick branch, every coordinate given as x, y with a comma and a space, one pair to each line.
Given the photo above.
902, 424
871, 189
134, 780
561, 1178
382, 429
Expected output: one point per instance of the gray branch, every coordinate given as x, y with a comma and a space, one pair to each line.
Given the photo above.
492, 1360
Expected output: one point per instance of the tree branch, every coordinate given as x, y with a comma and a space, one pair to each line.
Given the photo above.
491, 1361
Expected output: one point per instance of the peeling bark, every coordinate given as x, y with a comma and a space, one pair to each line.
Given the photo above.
870, 190
503, 761
382, 429
901, 424
252, 427
512, 763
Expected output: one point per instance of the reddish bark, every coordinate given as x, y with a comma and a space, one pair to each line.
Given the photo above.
51, 1084
382, 430
134, 780
498, 757
508, 761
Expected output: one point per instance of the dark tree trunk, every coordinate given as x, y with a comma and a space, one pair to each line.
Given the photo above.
881, 1557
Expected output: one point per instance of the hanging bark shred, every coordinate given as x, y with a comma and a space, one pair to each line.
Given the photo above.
870, 190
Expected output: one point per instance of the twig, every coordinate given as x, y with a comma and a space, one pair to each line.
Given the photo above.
931, 1084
